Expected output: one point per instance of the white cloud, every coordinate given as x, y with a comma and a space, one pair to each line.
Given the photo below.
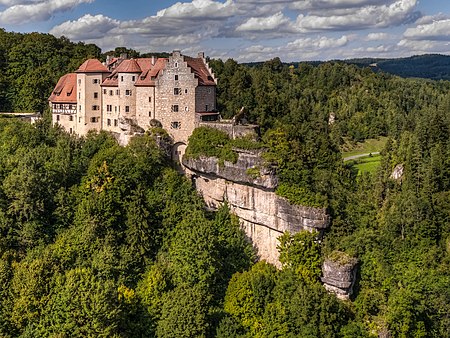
426, 19
199, 9
274, 22
377, 36
34, 11
85, 28
399, 12
322, 42
335, 4
436, 31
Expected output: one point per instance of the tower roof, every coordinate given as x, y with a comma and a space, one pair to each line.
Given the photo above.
129, 66
92, 66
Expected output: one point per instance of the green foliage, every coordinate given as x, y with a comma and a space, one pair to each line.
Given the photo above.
31, 64
184, 313
301, 195
210, 142
301, 253
102, 240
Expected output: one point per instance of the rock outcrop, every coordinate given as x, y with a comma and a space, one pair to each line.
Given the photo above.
339, 274
248, 169
248, 188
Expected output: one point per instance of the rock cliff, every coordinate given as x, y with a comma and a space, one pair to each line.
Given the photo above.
248, 187
339, 274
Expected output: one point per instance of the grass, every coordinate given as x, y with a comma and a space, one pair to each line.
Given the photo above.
367, 163
368, 146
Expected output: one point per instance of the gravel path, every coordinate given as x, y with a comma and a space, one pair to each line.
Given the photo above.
354, 157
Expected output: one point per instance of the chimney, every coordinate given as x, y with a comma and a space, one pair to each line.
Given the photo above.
153, 60
123, 56
201, 55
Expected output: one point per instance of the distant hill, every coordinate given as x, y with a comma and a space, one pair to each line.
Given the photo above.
429, 66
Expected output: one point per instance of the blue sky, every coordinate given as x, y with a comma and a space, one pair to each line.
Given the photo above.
246, 30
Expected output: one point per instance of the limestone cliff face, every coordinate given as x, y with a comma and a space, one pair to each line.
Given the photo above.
249, 169
264, 215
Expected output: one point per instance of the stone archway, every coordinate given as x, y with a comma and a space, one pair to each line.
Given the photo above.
178, 150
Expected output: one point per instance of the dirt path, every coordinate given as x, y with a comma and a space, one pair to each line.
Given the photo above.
354, 157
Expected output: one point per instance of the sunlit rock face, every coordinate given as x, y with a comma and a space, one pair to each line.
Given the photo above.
250, 195
339, 275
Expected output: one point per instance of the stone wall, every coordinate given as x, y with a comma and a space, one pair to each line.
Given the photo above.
233, 130
176, 75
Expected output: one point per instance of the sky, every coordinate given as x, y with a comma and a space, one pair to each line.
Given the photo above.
245, 30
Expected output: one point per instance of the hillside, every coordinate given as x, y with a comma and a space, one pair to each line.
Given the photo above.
429, 66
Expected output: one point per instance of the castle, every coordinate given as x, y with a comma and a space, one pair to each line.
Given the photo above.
127, 96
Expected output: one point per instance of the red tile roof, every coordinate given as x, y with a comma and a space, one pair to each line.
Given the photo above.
65, 90
200, 70
128, 66
92, 66
150, 72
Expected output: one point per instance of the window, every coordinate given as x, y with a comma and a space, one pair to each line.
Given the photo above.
57, 117
128, 92
79, 82
133, 78
185, 91
110, 93
95, 95
61, 106
127, 109
176, 77
109, 107
79, 120
121, 79
94, 119
150, 113
70, 131
175, 125
79, 107
79, 95
186, 108
108, 122
95, 107
150, 99
209, 90
175, 108
176, 65
115, 123
104, 91
177, 91
117, 91
70, 107
115, 109
95, 81
206, 108
70, 118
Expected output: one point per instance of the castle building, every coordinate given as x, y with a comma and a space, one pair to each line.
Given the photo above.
127, 96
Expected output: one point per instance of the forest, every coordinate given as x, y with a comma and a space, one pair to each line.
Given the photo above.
99, 240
